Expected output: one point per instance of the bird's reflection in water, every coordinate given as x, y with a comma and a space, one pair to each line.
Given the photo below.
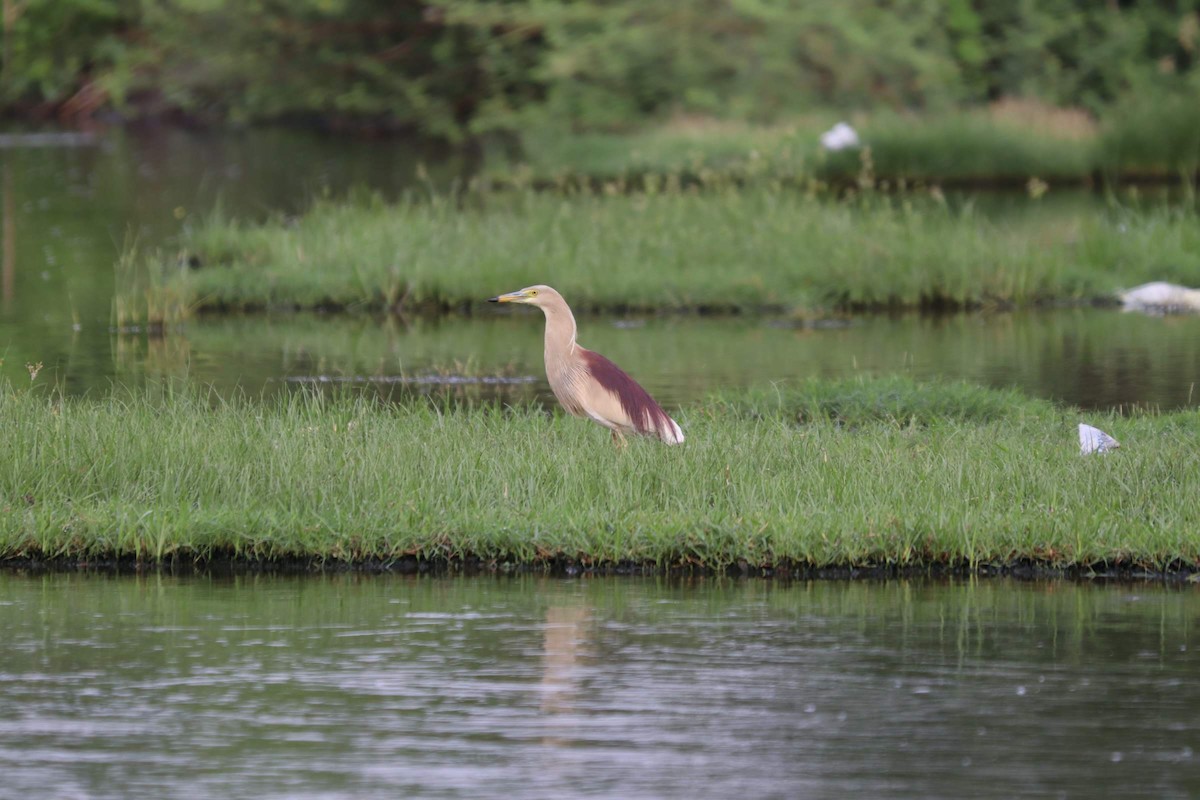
562, 648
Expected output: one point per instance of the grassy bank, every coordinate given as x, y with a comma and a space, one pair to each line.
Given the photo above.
1007, 144
1156, 137
827, 474
669, 249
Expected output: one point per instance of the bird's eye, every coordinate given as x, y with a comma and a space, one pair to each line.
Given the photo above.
533, 293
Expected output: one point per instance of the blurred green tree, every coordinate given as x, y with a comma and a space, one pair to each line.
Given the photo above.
365, 63
449, 68
54, 49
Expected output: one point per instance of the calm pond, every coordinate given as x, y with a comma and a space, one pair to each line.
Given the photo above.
395, 686
68, 210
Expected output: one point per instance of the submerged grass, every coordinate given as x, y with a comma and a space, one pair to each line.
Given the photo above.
673, 249
853, 473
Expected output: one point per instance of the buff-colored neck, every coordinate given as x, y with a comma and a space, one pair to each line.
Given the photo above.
560, 334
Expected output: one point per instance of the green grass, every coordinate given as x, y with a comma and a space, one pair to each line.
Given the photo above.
855, 473
724, 249
1154, 135
724, 148
1010, 143
1148, 135
963, 149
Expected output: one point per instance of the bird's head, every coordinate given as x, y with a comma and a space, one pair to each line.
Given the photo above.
539, 295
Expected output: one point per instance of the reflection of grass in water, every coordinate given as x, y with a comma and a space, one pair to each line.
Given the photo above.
328, 356
921, 474
724, 249
158, 357
1093, 357
1080, 624
303, 344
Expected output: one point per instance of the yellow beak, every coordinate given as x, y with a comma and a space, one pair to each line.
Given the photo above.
511, 297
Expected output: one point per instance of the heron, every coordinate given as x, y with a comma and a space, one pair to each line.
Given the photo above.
586, 383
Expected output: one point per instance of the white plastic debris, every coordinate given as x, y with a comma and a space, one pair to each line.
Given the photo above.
839, 137
1161, 297
1094, 440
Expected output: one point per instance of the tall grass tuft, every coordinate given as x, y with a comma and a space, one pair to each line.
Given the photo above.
148, 290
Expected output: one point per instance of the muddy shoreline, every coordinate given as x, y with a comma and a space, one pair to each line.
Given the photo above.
232, 565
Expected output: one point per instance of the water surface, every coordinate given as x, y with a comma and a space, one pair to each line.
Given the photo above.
390, 686
67, 213
1092, 358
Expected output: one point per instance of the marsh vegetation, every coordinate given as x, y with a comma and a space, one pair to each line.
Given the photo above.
722, 249
858, 473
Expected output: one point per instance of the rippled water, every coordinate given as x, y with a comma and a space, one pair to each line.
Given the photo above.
67, 213
389, 686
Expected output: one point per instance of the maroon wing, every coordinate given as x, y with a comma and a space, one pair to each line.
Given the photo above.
646, 415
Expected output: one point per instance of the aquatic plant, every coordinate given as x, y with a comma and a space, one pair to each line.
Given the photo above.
146, 291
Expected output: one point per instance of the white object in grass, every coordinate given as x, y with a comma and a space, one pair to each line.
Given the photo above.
839, 137
1160, 297
1094, 440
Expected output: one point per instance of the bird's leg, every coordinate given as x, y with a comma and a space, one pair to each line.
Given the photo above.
618, 439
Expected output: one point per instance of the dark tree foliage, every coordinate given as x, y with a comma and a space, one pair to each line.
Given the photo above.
452, 67
363, 63
53, 50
